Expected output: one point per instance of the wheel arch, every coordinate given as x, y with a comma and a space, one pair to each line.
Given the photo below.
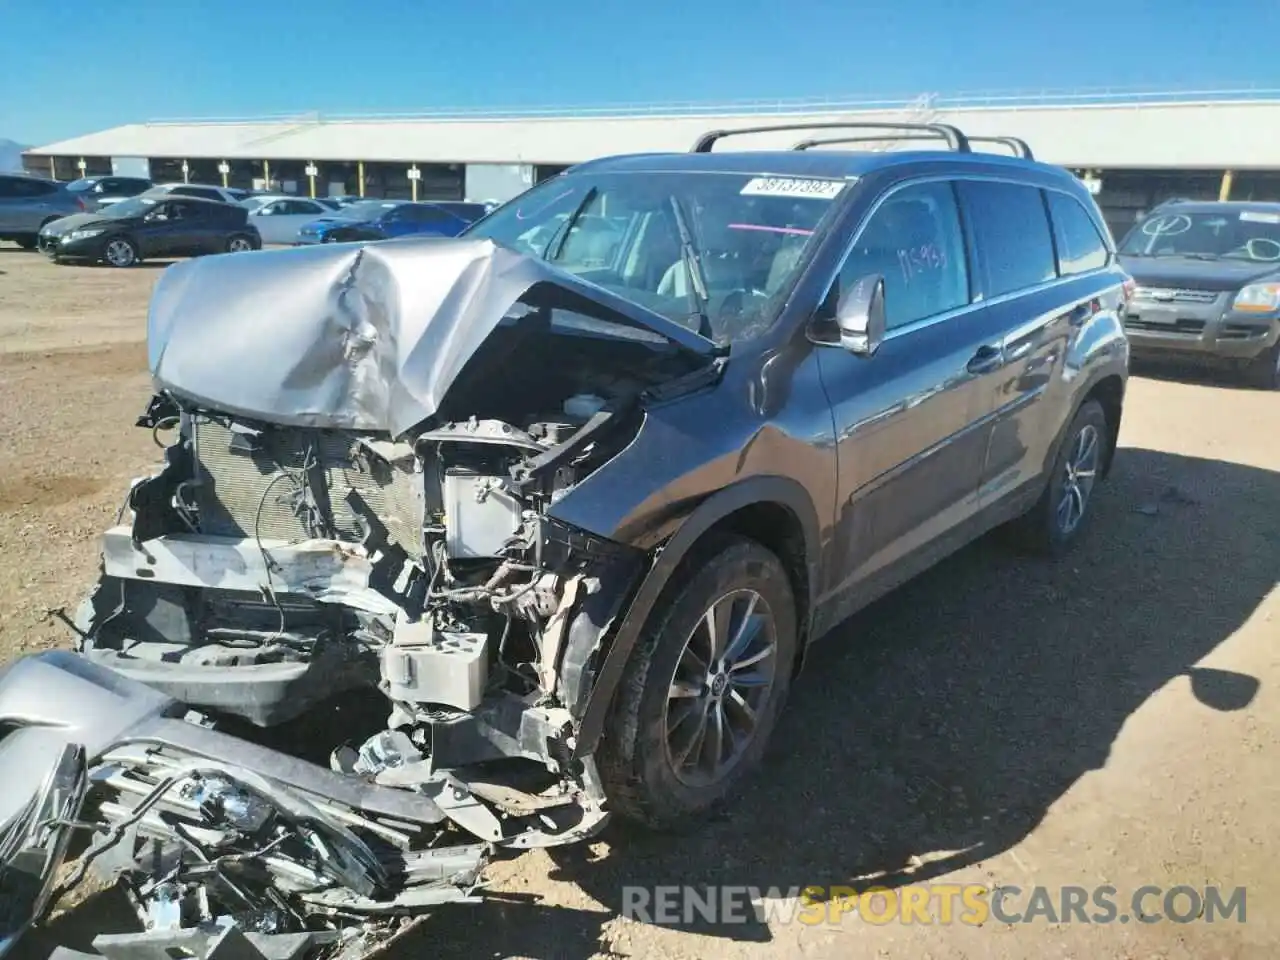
1108, 390
777, 512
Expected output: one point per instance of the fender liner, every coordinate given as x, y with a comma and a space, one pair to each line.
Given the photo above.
766, 489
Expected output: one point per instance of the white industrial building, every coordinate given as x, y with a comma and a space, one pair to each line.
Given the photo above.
1142, 148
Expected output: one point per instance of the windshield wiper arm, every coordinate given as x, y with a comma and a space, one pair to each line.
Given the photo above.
555, 246
696, 282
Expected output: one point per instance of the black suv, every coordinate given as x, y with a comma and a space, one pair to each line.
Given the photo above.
144, 227
575, 502
1208, 286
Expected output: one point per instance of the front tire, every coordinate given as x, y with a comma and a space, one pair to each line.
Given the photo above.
1060, 516
239, 244
27, 242
1263, 373
120, 252
703, 689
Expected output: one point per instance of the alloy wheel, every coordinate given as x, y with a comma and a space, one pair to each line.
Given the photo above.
720, 687
1081, 470
119, 253
239, 245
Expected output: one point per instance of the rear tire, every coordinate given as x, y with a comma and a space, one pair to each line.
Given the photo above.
1061, 514
27, 242
1263, 373
239, 244
694, 710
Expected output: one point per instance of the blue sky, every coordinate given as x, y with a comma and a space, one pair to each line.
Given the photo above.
70, 68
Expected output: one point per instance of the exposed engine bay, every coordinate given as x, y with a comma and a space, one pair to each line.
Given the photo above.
358, 529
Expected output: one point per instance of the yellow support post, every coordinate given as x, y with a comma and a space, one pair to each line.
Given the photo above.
53, 169
186, 172
360, 176
1224, 192
311, 166
413, 182
225, 169
266, 174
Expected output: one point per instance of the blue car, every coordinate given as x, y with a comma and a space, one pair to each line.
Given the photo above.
384, 219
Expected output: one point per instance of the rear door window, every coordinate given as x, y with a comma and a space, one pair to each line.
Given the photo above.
299, 207
1080, 246
430, 216
182, 210
203, 193
914, 241
1011, 231
23, 187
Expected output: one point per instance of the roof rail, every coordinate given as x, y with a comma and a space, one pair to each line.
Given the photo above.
956, 140
1019, 147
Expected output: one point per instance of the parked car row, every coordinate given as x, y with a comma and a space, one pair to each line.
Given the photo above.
33, 211
384, 219
1207, 273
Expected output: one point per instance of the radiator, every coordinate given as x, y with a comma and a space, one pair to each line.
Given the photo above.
254, 488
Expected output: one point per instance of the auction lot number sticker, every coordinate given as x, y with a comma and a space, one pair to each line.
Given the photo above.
794, 187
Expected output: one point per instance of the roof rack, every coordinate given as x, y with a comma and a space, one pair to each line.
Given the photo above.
956, 140
1019, 147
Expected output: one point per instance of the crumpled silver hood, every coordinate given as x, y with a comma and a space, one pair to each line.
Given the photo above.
354, 336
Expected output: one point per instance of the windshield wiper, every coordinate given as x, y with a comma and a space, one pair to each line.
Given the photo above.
555, 246
694, 280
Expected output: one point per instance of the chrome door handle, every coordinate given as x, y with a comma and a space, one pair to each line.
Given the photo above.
987, 358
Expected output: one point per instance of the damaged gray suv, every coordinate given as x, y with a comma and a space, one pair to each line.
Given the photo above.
571, 494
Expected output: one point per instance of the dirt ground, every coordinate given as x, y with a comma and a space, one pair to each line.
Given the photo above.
1112, 718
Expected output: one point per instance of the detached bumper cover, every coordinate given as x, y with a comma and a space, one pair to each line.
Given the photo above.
181, 809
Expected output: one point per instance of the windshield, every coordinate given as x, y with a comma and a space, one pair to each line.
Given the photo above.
1252, 235
367, 209
714, 252
133, 207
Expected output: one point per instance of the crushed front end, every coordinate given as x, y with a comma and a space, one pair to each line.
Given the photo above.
359, 467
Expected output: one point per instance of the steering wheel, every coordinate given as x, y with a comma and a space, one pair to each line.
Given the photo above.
1251, 248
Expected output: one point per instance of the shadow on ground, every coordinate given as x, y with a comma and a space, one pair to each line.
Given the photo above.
951, 715
935, 729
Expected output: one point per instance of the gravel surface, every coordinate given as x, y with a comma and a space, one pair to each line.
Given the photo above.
1104, 719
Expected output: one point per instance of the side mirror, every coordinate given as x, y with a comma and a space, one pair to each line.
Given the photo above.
860, 316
